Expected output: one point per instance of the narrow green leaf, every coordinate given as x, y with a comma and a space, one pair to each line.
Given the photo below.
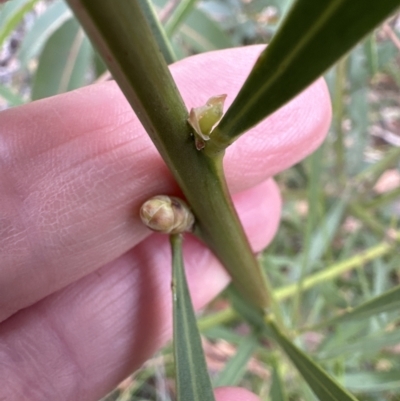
369, 176
325, 232
13, 12
369, 382
158, 31
63, 63
8, 9
281, 6
315, 245
364, 346
371, 53
386, 302
46, 24
324, 386
277, 390
359, 111
192, 379
221, 333
178, 16
235, 369
384, 199
314, 35
13, 99
203, 34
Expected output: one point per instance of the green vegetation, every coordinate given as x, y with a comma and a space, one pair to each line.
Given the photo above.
332, 272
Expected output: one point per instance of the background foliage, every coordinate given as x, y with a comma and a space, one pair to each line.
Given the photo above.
339, 233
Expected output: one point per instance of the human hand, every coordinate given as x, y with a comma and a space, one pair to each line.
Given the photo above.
84, 287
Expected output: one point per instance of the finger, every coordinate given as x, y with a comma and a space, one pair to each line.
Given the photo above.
77, 344
234, 394
75, 169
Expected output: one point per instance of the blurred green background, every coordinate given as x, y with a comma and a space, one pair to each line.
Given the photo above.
339, 241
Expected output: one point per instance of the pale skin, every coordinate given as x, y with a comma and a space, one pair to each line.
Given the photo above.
84, 287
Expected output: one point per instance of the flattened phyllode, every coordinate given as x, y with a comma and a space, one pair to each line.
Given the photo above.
167, 214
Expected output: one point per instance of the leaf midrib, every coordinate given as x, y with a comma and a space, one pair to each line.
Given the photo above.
286, 61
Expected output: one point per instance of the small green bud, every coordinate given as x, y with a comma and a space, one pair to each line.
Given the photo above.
204, 118
167, 214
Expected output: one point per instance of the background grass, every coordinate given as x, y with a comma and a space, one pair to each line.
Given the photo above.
338, 244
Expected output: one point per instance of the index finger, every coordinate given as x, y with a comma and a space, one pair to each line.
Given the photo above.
75, 169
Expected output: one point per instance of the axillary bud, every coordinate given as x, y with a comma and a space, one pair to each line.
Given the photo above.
204, 118
167, 214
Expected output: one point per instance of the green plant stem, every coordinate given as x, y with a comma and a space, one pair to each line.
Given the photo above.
339, 268
368, 177
123, 37
331, 272
214, 319
383, 199
224, 225
338, 107
178, 16
364, 215
312, 217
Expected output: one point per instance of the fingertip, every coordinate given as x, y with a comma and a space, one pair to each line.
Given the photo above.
281, 140
259, 209
234, 394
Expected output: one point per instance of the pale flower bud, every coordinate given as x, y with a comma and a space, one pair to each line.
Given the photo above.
167, 214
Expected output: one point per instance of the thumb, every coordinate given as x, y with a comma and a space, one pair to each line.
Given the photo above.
234, 394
